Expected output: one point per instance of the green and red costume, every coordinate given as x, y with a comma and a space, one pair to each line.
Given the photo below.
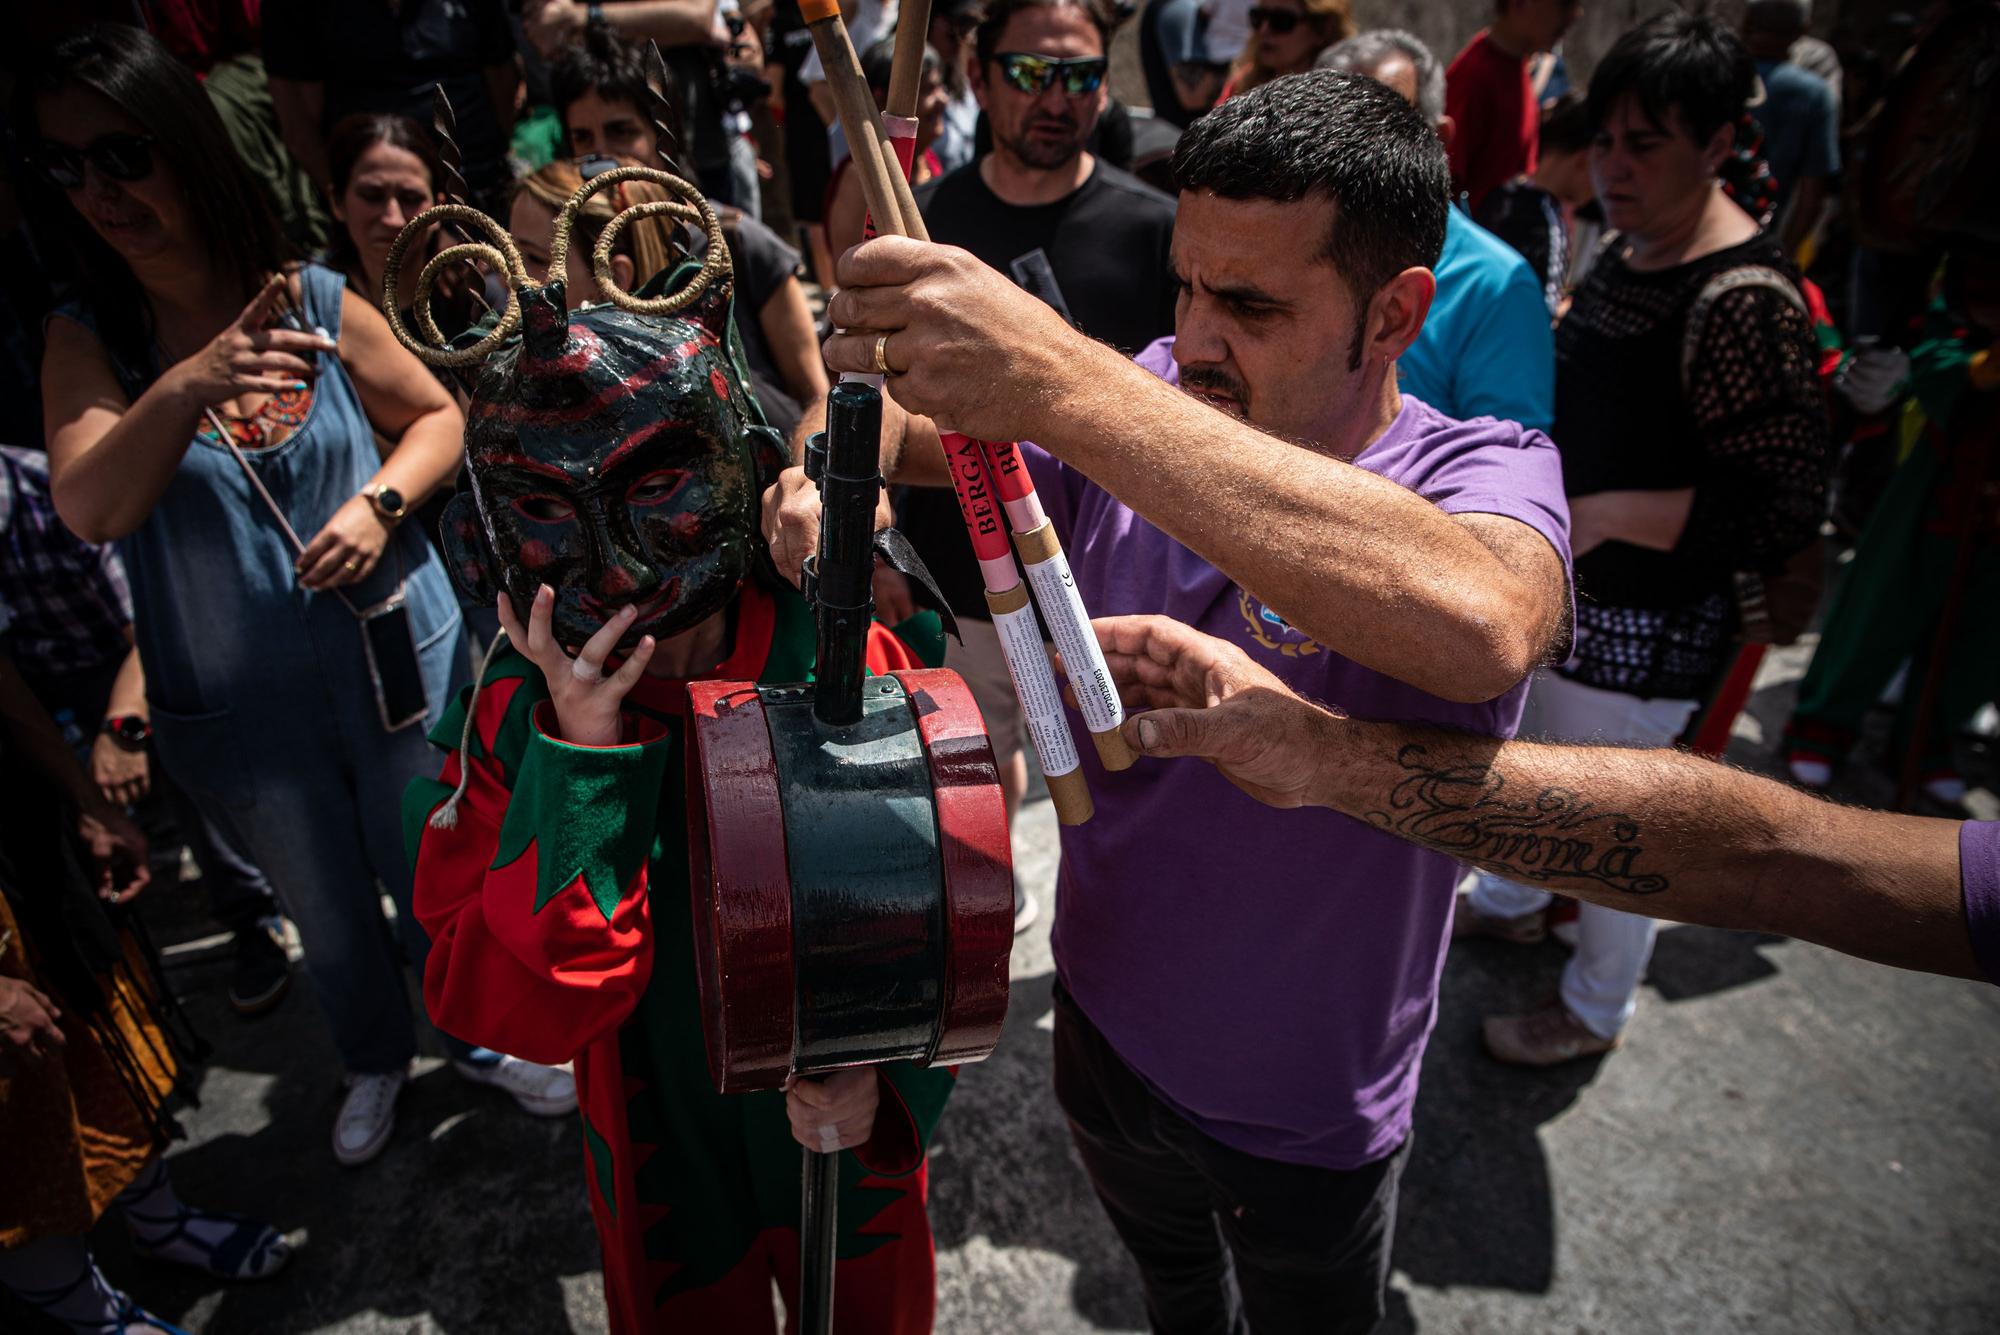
1887, 605
558, 908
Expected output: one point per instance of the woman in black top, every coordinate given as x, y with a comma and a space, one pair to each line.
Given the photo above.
1694, 446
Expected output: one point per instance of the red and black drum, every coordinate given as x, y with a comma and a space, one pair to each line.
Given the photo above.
852, 879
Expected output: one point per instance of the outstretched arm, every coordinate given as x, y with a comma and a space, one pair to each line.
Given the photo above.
1366, 567
1657, 833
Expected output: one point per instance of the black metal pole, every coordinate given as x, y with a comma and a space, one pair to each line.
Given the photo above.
843, 571
817, 1229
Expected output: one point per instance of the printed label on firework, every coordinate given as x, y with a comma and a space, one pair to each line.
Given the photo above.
1010, 475
1069, 626
983, 520
1035, 683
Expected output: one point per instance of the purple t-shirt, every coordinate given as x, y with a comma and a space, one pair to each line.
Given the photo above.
1271, 974
1979, 881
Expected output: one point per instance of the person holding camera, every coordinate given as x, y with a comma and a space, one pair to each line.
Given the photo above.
215, 411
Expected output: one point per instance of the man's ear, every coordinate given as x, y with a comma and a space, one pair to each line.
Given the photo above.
975, 79
1447, 129
1396, 315
623, 271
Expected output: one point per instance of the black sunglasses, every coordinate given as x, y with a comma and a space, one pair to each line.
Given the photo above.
1034, 74
122, 157
1279, 21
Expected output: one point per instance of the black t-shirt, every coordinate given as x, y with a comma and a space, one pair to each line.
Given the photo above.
1529, 219
1099, 256
373, 56
761, 262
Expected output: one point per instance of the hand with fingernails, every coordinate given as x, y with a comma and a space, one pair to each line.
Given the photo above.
1206, 698
791, 520
29, 1022
588, 703
347, 549
956, 337
248, 357
834, 1113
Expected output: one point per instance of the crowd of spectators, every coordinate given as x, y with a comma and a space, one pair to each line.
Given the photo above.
1642, 274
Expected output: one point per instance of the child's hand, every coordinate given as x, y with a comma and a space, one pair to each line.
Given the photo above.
837, 1113
587, 702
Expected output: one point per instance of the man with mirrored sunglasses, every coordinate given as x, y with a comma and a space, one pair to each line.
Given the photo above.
1087, 238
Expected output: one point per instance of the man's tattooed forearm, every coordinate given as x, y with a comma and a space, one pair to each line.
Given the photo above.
1467, 811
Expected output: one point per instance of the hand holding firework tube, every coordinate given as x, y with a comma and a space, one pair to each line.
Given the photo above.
1048, 569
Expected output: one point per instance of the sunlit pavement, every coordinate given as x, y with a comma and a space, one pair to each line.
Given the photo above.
1789, 1141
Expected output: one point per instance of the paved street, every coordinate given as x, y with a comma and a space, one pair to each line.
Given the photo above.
1790, 1141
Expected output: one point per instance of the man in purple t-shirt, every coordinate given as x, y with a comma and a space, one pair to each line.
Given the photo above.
1245, 994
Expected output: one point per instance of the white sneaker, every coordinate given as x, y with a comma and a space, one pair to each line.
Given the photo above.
544, 1091
1809, 771
367, 1116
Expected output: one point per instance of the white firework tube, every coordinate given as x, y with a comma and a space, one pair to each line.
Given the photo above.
1041, 702
1069, 625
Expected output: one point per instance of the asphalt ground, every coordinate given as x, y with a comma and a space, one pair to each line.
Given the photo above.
1789, 1141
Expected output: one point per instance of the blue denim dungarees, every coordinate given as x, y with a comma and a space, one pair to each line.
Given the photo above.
261, 700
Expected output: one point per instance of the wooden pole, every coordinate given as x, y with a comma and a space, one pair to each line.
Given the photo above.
906, 71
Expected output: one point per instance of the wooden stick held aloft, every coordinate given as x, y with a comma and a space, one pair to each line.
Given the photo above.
906, 70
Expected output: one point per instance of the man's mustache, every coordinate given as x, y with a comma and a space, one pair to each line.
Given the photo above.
1197, 381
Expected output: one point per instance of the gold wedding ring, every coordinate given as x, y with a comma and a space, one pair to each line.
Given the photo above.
882, 355
350, 566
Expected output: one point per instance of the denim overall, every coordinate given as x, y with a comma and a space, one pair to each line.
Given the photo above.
261, 700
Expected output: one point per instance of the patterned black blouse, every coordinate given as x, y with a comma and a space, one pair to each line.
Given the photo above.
1747, 431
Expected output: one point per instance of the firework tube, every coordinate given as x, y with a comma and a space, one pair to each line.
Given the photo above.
1062, 605
1020, 638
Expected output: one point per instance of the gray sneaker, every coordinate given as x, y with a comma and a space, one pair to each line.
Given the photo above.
367, 1115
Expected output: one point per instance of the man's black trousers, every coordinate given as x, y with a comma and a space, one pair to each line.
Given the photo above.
1227, 1243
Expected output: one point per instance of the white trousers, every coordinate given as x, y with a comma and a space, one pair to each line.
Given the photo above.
1601, 983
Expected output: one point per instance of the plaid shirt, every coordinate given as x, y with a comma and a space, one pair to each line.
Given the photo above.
67, 603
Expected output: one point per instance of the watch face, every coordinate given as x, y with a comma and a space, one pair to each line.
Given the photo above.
131, 728
390, 500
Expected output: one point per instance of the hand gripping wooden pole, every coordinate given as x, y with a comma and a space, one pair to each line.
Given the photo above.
985, 474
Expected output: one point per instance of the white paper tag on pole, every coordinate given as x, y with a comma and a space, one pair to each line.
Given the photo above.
1035, 684
1069, 625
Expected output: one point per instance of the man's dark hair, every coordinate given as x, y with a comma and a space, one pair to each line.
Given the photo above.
614, 69
1336, 136
1676, 62
994, 16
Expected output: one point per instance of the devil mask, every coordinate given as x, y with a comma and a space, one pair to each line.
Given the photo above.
615, 452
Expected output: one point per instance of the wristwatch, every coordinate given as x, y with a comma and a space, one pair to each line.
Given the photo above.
128, 730
388, 503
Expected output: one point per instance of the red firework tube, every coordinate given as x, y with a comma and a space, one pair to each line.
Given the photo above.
902, 133
1014, 623
1062, 607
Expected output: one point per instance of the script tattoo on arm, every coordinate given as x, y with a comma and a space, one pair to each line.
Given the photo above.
1467, 811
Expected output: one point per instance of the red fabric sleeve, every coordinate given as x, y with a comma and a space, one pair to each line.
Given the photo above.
540, 983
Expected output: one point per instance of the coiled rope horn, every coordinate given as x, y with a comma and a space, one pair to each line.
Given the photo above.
504, 256
690, 208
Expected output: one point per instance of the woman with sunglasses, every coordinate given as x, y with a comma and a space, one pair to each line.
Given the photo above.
217, 413
1286, 36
